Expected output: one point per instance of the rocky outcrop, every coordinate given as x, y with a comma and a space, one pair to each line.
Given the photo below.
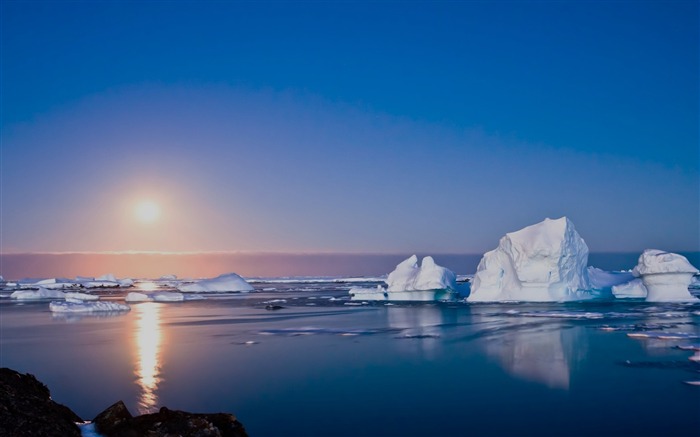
26, 409
116, 421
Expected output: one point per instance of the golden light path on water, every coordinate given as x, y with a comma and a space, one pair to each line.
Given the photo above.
148, 345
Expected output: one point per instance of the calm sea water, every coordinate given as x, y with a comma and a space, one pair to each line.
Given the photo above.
321, 367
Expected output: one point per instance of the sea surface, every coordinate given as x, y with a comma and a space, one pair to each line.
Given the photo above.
325, 366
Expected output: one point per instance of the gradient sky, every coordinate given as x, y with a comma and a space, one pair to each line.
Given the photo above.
348, 127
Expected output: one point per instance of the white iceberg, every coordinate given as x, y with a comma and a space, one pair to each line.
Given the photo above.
109, 277
161, 296
603, 279
168, 278
52, 284
81, 296
632, 289
411, 282
221, 284
665, 275
79, 306
41, 293
544, 262
126, 283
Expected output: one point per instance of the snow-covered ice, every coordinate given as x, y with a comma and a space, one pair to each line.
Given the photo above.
632, 289
221, 284
546, 261
603, 279
137, 297
411, 282
161, 296
666, 276
41, 293
79, 306
81, 296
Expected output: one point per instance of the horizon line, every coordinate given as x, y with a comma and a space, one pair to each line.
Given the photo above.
252, 252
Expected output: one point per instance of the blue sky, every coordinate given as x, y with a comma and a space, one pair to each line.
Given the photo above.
349, 127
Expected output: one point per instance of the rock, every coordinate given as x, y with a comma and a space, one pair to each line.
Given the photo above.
117, 421
26, 409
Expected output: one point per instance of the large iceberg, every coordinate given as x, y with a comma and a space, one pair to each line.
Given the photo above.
411, 282
40, 293
665, 275
540, 263
221, 284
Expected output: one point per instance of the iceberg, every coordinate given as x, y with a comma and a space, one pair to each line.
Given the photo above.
126, 283
411, 282
221, 284
168, 278
665, 275
161, 296
51, 284
81, 296
41, 293
544, 262
109, 277
137, 297
79, 306
632, 289
602, 279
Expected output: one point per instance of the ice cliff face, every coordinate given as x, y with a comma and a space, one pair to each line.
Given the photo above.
543, 262
409, 276
666, 276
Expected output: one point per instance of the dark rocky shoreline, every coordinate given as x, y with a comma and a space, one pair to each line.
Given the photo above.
26, 408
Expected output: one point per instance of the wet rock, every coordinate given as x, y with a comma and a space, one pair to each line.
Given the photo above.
117, 421
26, 409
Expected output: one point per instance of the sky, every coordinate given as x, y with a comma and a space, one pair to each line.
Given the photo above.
347, 127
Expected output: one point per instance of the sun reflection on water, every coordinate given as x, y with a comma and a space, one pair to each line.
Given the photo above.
148, 344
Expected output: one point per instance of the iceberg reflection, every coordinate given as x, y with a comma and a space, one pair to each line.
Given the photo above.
420, 323
148, 344
543, 356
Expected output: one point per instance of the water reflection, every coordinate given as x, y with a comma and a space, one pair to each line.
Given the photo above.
420, 325
148, 345
543, 355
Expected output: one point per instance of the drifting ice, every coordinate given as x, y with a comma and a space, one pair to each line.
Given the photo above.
41, 293
78, 306
543, 262
160, 296
410, 282
220, 284
665, 275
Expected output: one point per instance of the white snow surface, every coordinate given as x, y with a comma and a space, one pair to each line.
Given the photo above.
602, 279
221, 284
137, 297
109, 277
81, 296
79, 306
546, 261
161, 296
665, 275
409, 276
632, 289
41, 293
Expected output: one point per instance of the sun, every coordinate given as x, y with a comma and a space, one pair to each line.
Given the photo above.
147, 211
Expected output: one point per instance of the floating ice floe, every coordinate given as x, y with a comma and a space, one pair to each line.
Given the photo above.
665, 275
41, 293
81, 296
79, 306
541, 263
161, 296
411, 282
632, 289
221, 284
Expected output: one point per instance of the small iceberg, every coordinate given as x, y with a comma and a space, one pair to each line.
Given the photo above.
79, 306
81, 296
411, 282
161, 296
41, 293
666, 276
229, 282
632, 289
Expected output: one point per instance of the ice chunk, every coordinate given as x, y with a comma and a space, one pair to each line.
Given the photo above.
666, 276
602, 279
78, 306
81, 296
109, 277
409, 276
126, 282
41, 293
220, 284
137, 297
543, 262
168, 278
632, 289
52, 284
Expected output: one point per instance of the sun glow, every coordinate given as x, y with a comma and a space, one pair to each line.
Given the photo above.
147, 211
148, 348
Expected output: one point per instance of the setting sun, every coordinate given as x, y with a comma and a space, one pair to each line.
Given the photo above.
147, 211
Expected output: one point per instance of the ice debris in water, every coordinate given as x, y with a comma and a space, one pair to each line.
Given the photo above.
229, 282
546, 261
663, 335
78, 306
